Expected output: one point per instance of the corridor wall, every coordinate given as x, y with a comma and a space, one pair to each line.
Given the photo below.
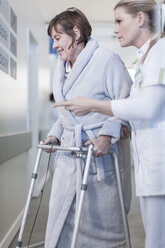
24, 105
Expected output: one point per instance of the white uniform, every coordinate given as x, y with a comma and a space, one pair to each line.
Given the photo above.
148, 138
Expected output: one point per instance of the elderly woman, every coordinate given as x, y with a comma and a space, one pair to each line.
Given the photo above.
85, 69
145, 109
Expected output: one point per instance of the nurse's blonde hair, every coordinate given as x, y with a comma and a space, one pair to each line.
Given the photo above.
133, 7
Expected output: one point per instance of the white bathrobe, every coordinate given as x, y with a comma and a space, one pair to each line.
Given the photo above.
97, 73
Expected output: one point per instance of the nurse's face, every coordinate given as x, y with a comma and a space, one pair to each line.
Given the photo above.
62, 43
126, 27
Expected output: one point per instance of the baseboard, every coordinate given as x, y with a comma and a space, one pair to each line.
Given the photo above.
12, 231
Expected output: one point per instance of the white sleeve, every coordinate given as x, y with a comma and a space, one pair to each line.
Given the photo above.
56, 130
144, 107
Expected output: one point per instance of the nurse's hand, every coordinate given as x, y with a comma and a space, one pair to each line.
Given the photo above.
50, 141
79, 105
83, 105
124, 133
101, 145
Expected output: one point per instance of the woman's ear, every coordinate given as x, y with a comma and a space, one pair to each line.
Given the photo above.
77, 33
141, 19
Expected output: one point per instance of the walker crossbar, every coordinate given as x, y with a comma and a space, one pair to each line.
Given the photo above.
64, 148
80, 151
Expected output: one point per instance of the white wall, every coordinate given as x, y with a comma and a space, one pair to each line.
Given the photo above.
104, 34
14, 113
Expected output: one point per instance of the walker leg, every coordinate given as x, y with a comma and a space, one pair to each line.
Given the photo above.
34, 177
35, 245
125, 222
82, 195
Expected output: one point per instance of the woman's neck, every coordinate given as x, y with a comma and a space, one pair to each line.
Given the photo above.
78, 50
144, 36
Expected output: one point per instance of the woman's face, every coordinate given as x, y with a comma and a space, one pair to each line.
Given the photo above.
62, 43
126, 27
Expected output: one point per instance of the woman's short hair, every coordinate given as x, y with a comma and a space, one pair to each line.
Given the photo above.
133, 7
68, 20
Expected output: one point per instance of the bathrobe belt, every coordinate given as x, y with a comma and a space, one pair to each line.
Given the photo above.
77, 129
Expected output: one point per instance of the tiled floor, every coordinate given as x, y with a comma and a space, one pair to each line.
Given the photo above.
134, 219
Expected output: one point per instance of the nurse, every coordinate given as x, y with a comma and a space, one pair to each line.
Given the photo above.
145, 110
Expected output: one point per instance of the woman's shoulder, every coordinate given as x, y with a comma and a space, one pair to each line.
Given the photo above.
161, 40
156, 53
107, 54
154, 65
159, 46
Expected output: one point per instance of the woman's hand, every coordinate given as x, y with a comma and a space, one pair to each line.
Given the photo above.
83, 105
79, 105
100, 145
48, 141
124, 134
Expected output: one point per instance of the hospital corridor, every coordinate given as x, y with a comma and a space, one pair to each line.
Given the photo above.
134, 220
45, 61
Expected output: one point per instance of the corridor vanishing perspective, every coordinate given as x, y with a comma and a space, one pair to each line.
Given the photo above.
64, 83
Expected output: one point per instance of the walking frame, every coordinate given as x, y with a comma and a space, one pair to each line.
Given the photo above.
79, 152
